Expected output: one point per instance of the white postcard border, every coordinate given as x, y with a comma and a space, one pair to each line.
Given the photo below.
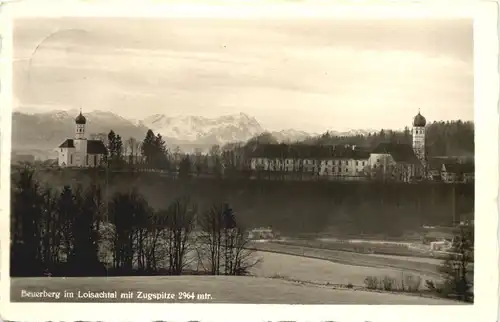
486, 191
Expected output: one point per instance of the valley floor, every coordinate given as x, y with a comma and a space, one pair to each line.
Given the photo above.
370, 264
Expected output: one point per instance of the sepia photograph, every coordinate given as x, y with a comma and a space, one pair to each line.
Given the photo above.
290, 160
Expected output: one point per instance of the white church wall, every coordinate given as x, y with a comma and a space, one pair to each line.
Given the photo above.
80, 153
64, 156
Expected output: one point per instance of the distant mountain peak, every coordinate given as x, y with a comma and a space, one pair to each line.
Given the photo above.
218, 130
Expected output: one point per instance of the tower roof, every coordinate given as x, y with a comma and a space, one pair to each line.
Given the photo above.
419, 120
80, 119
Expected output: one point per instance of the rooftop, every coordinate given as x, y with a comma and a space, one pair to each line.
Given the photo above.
401, 153
80, 119
305, 151
419, 120
459, 168
93, 146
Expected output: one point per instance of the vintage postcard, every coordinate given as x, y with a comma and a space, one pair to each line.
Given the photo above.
261, 156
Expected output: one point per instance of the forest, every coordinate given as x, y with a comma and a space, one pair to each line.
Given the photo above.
451, 138
76, 231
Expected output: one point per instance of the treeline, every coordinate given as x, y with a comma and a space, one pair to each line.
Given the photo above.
451, 138
153, 153
76, 232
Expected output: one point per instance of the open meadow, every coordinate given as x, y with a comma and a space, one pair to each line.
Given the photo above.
318, 271
354, 259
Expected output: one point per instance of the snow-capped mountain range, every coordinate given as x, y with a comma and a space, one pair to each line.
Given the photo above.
227, 128
49, 129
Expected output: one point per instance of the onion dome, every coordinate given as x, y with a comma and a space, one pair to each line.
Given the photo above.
419, 120
80, 119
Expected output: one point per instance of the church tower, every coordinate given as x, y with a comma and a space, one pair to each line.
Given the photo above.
419, 137
80, 142
80, 122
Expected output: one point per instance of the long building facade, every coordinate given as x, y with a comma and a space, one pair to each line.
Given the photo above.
387, 161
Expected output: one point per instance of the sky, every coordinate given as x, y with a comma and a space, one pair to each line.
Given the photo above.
307, 74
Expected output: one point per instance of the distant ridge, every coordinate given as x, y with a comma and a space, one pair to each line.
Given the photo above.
45, 131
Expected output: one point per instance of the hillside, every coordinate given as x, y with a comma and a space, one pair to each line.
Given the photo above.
48, 130
298, 207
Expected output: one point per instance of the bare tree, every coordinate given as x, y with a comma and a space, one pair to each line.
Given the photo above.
180, 222
132, 150
215, 154
154, 245
223, 243
198, 161
50, 226
176, 156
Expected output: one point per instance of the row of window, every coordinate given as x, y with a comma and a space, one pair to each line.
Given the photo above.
332, 170
315, 162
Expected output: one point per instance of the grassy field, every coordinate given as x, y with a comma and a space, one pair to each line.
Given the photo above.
354, 259
391, 249
322, 271
388, 250
432, 261
222, 289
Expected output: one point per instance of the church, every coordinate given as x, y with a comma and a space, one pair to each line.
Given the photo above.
80, 152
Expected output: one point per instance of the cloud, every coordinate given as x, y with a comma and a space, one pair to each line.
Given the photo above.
280, 77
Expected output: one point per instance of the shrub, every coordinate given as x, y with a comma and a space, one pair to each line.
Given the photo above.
429, 284
412, 283
388, 283
437, 288
279, 276
371, 282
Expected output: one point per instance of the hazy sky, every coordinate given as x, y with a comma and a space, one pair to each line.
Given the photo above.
311, 75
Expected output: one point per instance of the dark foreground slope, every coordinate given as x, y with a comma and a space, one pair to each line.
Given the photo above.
292, 207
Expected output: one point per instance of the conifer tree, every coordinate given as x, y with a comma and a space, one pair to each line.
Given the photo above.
148, 147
